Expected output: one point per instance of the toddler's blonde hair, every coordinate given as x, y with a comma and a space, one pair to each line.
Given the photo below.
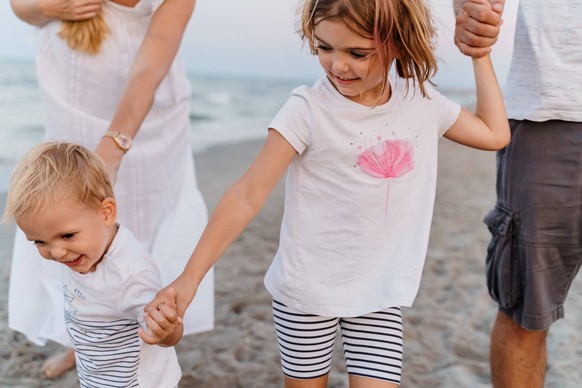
85, 35
401, 29
53, 172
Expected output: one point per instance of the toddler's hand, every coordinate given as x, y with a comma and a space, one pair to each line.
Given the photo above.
183, 291
164, 326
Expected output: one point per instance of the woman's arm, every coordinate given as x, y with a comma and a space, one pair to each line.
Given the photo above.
152, 63
237, 207
39, 12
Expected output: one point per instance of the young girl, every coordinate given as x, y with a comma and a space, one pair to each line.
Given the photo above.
360, 148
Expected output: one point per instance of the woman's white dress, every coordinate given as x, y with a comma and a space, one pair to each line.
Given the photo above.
158, 198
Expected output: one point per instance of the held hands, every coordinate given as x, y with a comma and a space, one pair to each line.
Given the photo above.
181, 291
477, 26
163, 323
70, 9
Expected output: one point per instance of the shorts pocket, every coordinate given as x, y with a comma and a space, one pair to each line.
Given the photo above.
502, 264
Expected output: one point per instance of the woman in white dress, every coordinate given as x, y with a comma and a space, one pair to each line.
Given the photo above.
129, 101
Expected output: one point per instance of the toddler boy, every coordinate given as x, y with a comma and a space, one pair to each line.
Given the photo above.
62, 198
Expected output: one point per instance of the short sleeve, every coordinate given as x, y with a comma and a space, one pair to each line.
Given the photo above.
294, 118
139, 289
156, 4
445, 110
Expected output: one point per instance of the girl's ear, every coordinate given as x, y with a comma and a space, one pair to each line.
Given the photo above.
108, 209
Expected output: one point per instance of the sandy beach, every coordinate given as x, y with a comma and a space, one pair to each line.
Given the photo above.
446, 330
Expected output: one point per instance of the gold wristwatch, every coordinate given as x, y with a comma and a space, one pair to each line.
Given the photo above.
122, 140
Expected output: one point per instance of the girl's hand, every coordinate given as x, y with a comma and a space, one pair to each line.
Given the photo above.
163, 323
477, 26
181, 290
111, 154
70, 9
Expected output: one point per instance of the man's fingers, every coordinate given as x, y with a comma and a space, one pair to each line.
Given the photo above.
474, 52
474, 40
481, 12
498, 6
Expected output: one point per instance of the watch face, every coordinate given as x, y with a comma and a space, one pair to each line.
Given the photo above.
124, 141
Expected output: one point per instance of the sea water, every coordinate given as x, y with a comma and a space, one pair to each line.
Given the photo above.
224, 109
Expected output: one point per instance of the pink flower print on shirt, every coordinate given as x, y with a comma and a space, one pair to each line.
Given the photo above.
387, 159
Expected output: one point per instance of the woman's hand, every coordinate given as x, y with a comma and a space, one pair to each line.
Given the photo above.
70, 9
39, 12
182, 289
111, 154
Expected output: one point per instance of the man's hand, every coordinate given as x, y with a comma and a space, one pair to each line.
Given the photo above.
477, 26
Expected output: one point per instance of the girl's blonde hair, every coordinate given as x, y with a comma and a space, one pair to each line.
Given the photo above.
53, 172
85, 35
401, 29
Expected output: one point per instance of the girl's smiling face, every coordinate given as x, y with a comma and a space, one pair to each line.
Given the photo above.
349, 61
72, 234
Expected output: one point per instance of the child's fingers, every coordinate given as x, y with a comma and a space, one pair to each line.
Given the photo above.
169, 313
159, 299
170, 298
163, 321
148, 339
155, 332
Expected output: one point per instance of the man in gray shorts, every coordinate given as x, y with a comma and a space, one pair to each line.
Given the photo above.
536, 226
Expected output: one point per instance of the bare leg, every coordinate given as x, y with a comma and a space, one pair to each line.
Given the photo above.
364, 382
319, 382
58, 364
518, 356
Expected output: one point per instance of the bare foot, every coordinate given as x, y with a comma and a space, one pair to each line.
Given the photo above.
58, 364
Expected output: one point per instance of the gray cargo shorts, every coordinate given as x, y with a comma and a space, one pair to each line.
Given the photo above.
536, 226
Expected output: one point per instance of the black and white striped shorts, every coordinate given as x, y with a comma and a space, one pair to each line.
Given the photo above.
372, 343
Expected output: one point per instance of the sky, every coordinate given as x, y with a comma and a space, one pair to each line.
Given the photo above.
257, 38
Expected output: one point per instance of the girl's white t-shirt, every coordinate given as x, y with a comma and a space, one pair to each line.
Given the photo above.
359, 198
